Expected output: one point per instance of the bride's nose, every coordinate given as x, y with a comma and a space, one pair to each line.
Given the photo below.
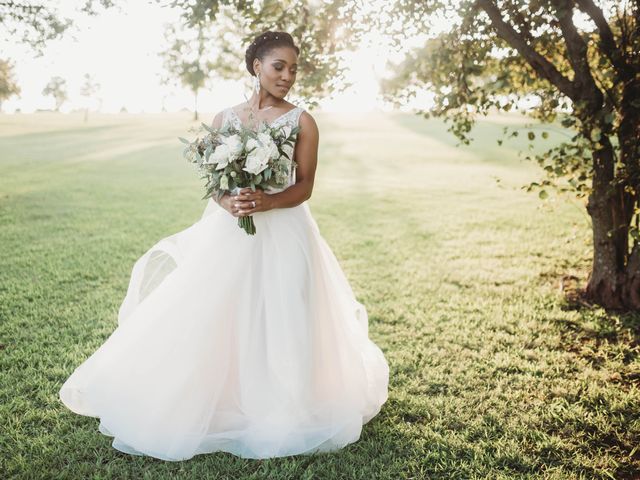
286, 77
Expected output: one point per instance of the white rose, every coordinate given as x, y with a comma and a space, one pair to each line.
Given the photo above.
252, 143
267, 143
227, 151
234, 142
257, 160
221, 156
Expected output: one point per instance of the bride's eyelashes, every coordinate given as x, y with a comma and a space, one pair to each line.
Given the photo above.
279, 67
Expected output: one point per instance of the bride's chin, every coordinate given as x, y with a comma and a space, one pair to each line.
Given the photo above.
280, 93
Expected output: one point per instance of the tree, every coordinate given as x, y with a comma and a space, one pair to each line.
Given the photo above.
585, 73
35, 23
8, 85
186, 60
315, 26
577, 58
88, 90
57, 88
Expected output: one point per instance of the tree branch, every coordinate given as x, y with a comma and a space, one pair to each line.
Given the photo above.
540, 64
576, 50
608, 45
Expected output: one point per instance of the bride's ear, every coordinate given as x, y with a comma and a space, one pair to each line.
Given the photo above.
256, 63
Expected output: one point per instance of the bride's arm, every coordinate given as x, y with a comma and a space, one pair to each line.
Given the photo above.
306, 156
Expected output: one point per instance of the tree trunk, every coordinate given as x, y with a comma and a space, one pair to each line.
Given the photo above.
605, 281
195, 117
614, 282
629, 141
632, 284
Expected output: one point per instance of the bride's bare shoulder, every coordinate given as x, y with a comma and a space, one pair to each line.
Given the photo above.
307, 122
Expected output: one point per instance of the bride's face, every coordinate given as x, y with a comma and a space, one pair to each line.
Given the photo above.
278, 70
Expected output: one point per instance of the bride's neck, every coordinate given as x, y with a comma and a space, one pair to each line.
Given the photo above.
263, 100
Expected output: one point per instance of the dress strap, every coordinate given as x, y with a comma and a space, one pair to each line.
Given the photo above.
296, 115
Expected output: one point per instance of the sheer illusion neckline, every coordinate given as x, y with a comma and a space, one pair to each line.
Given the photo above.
233, 112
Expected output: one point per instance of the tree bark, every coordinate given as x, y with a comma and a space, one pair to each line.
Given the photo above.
605, 286
195, 109
614, 282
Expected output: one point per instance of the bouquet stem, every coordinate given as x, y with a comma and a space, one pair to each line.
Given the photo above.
247, 224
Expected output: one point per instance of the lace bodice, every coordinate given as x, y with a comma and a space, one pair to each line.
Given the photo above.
291, 118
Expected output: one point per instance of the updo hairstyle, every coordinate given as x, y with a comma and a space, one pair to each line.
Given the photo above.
264, 43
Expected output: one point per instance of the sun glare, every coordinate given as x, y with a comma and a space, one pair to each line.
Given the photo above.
119, 49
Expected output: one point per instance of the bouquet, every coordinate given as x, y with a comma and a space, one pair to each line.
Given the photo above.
232, 158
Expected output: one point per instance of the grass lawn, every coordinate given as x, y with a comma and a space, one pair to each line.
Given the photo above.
493, 374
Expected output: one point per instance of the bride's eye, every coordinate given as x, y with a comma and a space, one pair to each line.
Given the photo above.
279, 67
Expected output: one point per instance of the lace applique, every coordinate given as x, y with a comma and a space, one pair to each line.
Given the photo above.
292, 117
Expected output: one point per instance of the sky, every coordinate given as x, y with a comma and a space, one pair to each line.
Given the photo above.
119, 48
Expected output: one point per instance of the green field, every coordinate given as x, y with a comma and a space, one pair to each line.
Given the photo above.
493, 374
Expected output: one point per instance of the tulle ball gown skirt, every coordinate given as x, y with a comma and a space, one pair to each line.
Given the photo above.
252, 345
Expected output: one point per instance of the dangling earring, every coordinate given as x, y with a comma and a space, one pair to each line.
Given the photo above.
256, 83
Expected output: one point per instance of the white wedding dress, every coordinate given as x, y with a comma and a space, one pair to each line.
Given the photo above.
249, 344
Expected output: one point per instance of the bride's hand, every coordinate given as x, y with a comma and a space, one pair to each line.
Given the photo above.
226, 202
248, 202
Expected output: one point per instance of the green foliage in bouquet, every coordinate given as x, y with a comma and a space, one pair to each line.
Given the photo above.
231, 158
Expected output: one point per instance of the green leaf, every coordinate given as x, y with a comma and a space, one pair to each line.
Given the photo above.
184, 140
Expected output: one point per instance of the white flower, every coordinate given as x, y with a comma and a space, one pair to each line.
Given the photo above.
235, 144
220, 156
227, 151
257, 160
264, 149
267, 143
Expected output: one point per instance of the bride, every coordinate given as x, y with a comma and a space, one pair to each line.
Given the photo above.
249, 344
